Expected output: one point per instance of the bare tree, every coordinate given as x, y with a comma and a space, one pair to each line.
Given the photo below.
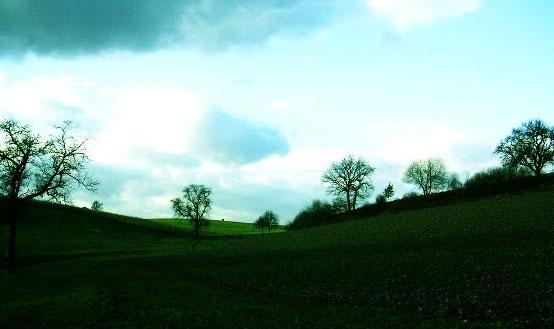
350, 178
530, 146
194, 205
32, 167
97, 206
454, 182
267, 220
429, 175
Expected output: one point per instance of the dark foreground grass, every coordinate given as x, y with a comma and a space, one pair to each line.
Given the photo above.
486, 264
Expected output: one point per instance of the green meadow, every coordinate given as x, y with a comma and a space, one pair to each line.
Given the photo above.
215, 227
478, 264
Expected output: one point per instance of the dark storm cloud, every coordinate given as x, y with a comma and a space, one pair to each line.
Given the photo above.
83, 26
71, 27
227, 139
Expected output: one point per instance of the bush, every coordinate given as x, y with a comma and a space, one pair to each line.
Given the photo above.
495, 175
410, 195
317, 213
381, 199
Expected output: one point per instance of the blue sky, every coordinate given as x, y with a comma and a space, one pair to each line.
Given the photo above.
256, 99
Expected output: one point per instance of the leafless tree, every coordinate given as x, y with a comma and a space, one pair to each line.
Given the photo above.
429, 175
350, 178
193, 206
33, 167
530, 146
268, 220
97, 206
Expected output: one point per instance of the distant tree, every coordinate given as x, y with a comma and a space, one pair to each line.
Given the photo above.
33, 167
530, 146
429, 175
454, 182
260, 224
388, 193
194, 205
380, 199
267, 221
97, 206
350, 178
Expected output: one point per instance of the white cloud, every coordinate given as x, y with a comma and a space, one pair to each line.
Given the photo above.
149, 118
142, 137
405, 14
47, 100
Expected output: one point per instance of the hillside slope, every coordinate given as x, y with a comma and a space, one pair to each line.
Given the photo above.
487, 263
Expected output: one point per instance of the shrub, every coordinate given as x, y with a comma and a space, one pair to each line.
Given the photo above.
317, 213
381, 199
410, 195
495, 175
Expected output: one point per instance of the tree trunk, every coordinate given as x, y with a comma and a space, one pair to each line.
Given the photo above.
348, 201
196, 229
12, 255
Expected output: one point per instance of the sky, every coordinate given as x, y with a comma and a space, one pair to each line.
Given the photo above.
255, 99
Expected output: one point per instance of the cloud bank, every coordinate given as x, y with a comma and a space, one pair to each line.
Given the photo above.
406, 14
70, 27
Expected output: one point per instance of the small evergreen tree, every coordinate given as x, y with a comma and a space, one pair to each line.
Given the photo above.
388, 193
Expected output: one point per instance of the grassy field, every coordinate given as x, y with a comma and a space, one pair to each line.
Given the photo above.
216, 227
487, 264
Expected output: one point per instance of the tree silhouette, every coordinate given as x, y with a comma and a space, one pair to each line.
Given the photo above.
530, 146
32, 167
380, 199
193, 206
429, 175
454, 182
267, 220
388, 193
97, 206
350, 178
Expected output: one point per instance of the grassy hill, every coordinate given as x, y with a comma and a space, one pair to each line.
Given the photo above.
216, 227
486, 263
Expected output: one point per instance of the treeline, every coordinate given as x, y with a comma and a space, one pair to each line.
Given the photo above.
525, 154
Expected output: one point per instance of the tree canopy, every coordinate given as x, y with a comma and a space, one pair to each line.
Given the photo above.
389, 191
350, 179
35, 167
429, 175
530, 146
267, 221
97, 206
194, 205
